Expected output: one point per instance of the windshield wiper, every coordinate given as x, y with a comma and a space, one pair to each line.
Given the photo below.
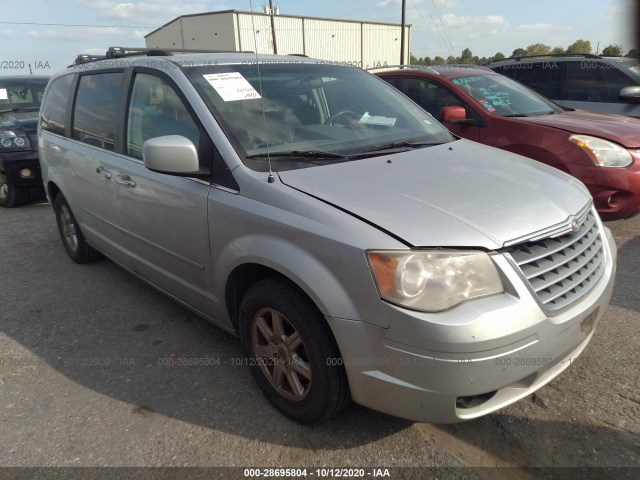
518, 115
300, 154
394, 147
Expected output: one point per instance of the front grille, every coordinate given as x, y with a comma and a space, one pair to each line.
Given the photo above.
560, 270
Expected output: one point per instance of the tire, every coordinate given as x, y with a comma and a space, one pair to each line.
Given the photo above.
11, 195
72, 238
298, 369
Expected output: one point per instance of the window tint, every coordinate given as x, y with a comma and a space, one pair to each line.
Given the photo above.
616, 81
544, 77
55, 105
156, 110
393, 81
94, 114
592, 81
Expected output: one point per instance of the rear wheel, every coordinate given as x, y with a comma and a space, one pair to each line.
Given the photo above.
72, 238
11, 195
291, 352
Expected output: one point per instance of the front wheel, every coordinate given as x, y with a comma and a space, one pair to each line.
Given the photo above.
72, 238
291, 352
11, 195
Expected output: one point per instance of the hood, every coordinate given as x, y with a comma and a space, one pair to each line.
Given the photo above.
26, 121
459, 194
622, 130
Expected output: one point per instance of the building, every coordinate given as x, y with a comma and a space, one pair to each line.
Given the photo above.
364, 44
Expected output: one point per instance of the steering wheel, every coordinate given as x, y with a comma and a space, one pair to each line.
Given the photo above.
341, 113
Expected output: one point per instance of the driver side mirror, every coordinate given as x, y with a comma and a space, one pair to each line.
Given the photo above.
171, 154
453, 115
630, 94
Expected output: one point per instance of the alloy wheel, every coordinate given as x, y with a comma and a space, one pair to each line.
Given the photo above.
281, 354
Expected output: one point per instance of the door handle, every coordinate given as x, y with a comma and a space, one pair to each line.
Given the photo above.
104, 173
125, 180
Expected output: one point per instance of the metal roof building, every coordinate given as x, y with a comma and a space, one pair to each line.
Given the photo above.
354, 42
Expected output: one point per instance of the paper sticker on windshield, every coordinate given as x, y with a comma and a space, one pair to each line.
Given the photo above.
231, 86
377, 120
3, 94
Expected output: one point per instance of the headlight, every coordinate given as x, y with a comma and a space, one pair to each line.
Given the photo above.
431, 280
603, 152
12, 140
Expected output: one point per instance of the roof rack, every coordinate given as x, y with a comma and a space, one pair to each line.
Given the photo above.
123, 52
553, 55
86, 58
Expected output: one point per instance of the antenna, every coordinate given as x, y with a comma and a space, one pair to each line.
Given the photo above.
270, 178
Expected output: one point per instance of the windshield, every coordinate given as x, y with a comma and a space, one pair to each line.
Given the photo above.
313, 113
505, 97
21, 93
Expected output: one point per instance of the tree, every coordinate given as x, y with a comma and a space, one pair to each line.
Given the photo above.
538, 49
519, 52
438, 60
498, 56
579, 46
451, 60
467, 56
612, 50
557, 50
633, 53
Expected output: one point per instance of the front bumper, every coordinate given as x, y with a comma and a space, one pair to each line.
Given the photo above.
615, 191
474, 359
13, 162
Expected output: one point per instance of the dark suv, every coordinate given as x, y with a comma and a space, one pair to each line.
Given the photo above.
589, 82
20, 178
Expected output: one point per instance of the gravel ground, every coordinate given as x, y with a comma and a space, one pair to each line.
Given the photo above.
84, 382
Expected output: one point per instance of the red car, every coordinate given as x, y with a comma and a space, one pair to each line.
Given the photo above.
601, 150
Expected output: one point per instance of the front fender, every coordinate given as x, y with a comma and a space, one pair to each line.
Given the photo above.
334, 296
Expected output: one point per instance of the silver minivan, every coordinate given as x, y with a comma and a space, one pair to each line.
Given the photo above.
357, 248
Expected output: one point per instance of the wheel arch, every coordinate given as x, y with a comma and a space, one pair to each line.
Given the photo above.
52, 191
290, 262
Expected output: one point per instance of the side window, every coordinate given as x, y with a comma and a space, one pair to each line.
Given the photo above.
393, 81
155, 110
95, 110
54, 109
586, 82
433, 97
544, 77
616, 81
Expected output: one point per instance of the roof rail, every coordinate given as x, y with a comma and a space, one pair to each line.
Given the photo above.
553, 55
122, 52
415, 67
461, 65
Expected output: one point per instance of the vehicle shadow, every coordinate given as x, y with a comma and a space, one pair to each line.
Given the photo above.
626, 296
108, 331
541, 447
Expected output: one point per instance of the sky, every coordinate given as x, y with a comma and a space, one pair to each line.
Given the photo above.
49, 34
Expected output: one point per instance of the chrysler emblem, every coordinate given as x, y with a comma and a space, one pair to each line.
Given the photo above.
575, 226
